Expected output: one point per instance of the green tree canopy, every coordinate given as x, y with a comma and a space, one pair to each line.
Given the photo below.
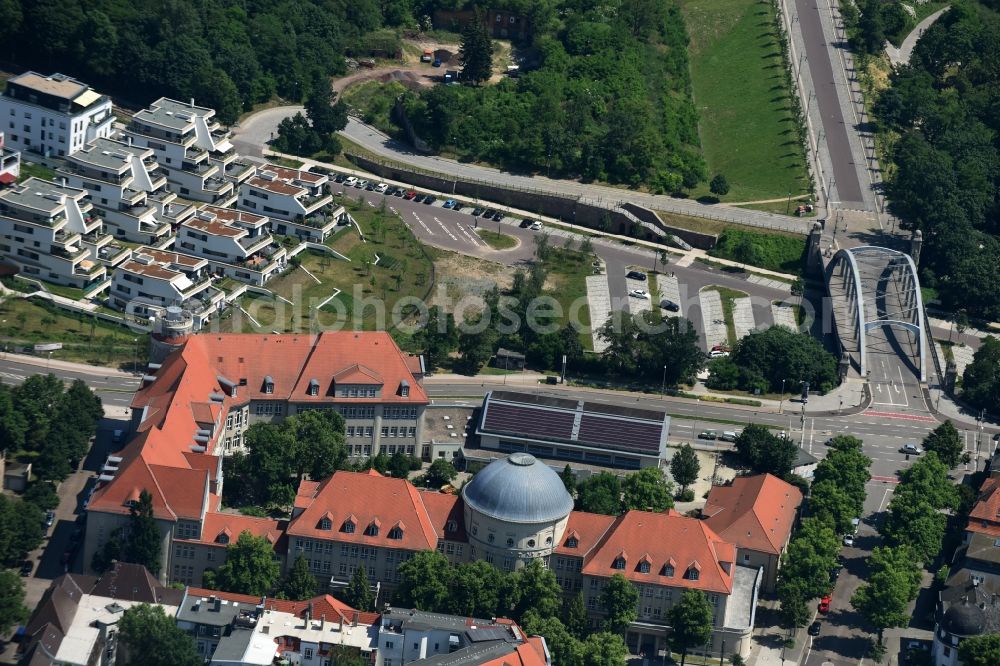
475, 589
779, 357
250, 567
719, 185
359, 593
647, 490
620, 602
21, 529
145, 543
426, 579
538, 590
601, 493
152, 638
691, 620
684, 466
763, 451
12, 608
981, 650
892, 584
476, 49
300, 583
440, 472
575, 616
945, 441
981, 378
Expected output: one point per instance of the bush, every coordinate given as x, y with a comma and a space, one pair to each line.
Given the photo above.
686, 495
774, 252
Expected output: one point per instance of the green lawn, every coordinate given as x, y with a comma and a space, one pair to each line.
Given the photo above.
497, 241
567, 282
746, 126
85, 339
374, 100
776, 252
37, 170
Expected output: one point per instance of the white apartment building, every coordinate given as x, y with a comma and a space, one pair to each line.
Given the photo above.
297, 202
52, 115
126, 185
154, 279
194, 152
10, 163
48, 231
236, 244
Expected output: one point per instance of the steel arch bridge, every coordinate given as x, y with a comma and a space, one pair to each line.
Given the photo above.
877, 287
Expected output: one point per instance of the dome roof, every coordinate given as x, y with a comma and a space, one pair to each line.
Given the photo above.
964, 619
518, 489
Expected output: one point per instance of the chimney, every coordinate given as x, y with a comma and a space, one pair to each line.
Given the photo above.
192, 102
322, 622
129, 138
354, 622
309, 613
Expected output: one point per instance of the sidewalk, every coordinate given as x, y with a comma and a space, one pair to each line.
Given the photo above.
68, 366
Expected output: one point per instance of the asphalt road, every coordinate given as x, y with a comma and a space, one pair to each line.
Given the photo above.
456, 231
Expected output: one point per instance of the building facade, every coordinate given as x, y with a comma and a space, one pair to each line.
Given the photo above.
10, 163
298, 202
54, 115
235, 243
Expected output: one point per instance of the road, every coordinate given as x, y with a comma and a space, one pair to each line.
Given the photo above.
456, 231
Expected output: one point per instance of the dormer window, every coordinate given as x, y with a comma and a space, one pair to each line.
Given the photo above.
349, 526
692, 573
326, 524
404, 389
373, 528
313, 387
396, 533
222, 538
452, 526
232, 392
668, 571
619, 563
268, 385
572, 542
643, 567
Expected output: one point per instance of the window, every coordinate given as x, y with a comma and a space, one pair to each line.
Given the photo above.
452, 526
326, 524
307, 653
491, 537
372, 530
531, 543
349, 527
572, 542
692, 573
396, 533
405, 391
269, 388
510, 543
668, 571
619, 563
644, 567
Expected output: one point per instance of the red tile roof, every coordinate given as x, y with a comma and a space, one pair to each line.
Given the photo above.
666, 538
322, 606
755, 512
529, 653
985, 515
587, 529
442, 508
363, 498
216, 524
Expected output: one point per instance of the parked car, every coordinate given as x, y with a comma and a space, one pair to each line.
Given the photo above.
350, 181
848, 539
457, 206
361, 184
636, 275
50, 517
436, 63
638, 293
429, 199
498, 216
339, 178
708, 434
488, 213
536, 225
398, 191
814, 628
912, 449
477, 212
729, 436
717, 353
834, 574
669, 305
381, 188
410, 195
370, 186
525, 224
824, 604
27, 567
449, 203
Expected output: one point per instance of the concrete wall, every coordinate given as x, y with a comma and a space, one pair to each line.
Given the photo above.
696, 239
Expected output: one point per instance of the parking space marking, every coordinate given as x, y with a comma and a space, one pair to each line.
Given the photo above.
637, 305
743, 320
712, 319
426, 228
599, 301
670, 288
446, 229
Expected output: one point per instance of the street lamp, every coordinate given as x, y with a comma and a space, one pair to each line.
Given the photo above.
782, 401
663, 382
135, 354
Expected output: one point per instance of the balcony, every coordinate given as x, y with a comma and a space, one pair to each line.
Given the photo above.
200, 168
311, 200
113, 254
239, 170
90, 272
251, 245
96, 238
133, 197
196, 154
223, 187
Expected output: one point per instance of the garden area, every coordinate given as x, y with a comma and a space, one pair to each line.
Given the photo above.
774, 251
747, 125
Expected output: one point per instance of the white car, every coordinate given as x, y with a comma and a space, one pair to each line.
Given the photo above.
639, 293
718, 353
381, 188
537, 226
351, 181
848, 539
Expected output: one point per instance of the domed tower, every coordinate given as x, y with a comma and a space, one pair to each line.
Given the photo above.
170, 330
516, 510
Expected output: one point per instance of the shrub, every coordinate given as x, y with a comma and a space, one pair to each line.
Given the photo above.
686, 495
774, 252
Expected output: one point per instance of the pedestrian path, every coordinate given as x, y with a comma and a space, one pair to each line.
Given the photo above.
637, 305
599, 301
712, 319
669, 287
784, 315
743, 320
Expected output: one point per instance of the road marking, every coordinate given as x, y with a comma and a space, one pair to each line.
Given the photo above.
446, 229
900, 415
884, 496
886, 479
426, 228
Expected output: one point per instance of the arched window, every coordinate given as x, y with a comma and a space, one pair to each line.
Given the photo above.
548, 541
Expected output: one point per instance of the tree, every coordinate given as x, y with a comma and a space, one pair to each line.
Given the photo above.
981, 378
144, 543
300, 583
945, 441
892, 584
833, 505
425, 581
399, 466
575, 616
440, 473
543, 246
20, 529
12, 608
808, 560
359, 591
475, 590
152, 638
601, 493
647, 490
250, 567
538, 590
691, 621
719, 185
569, 479
794, 608
684, 466
439, 337
763, 451
604, 649
981, 650
42, 494
768, 359
620, 601
565, 648
476, 50
476, 346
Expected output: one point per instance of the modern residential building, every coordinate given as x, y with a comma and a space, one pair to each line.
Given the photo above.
151, 280
126, 185
48, 232
298, 202
52, 115
195, 406
236, 243
757, 514
240, 630
76, 622
410, 636
10, 163
190, 148
577, 431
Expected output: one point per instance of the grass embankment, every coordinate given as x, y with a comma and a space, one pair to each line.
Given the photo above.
374, 100
86, 339
776, 252
747, 128
497, 241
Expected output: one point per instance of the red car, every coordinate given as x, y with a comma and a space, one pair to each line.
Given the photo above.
824, 604
410, 194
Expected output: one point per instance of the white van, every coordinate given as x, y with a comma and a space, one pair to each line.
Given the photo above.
350, 181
